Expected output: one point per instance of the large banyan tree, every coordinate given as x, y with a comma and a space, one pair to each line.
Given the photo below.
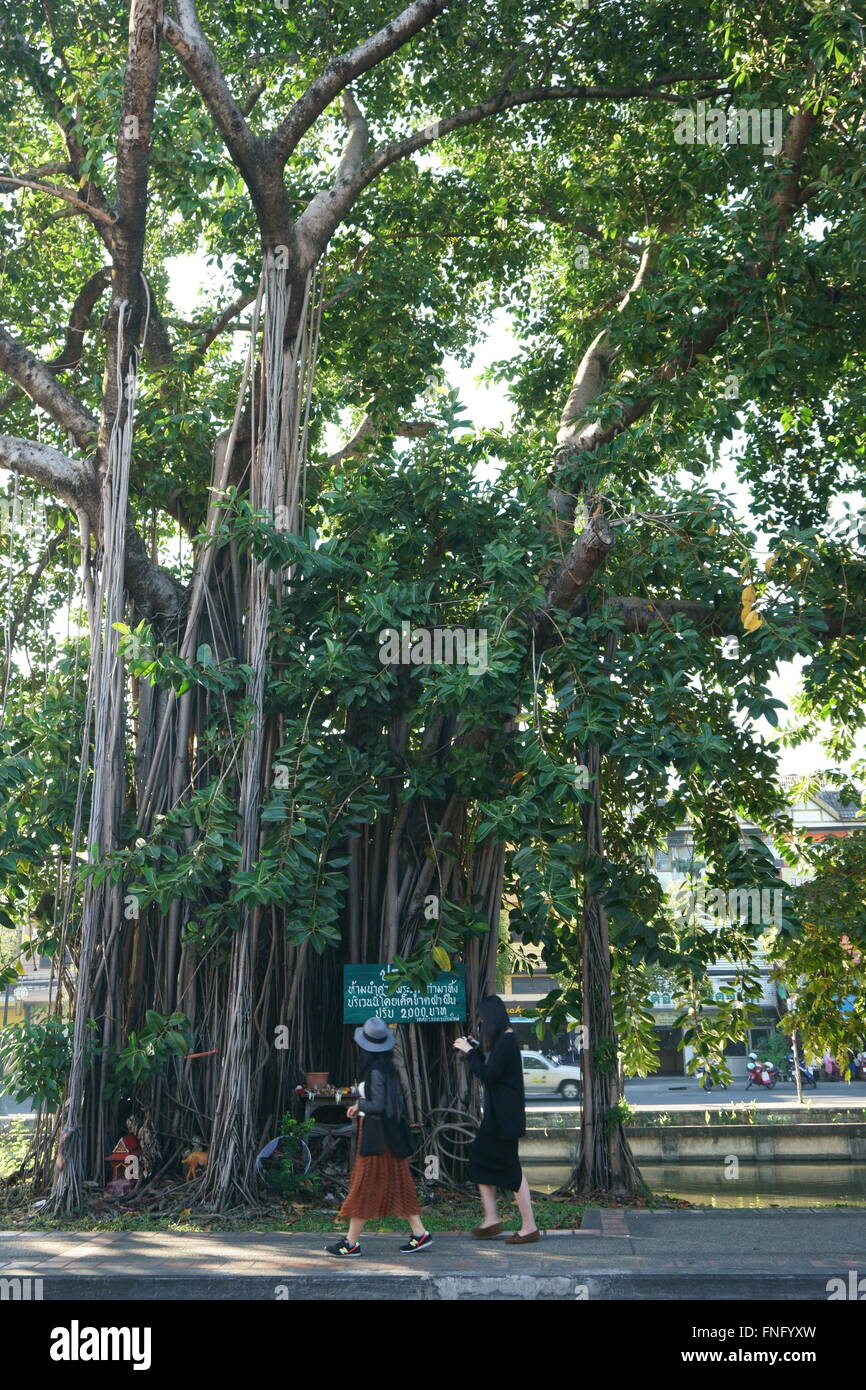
219, 792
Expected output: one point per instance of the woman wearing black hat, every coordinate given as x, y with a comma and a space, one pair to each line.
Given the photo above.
381, 1183
493, 1158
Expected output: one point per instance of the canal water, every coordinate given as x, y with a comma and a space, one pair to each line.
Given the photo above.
756, 1184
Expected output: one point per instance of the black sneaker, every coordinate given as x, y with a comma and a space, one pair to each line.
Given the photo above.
416, 1243
343, 1250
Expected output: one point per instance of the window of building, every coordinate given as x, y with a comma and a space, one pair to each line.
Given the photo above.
685, 863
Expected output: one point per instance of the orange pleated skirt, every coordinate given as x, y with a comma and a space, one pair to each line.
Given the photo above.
381, 1185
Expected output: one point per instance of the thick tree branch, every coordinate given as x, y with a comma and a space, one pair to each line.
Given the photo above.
82, 308
586, 555
326, 210
260, 169
789, 197
593, 369
133, 170
66, 194
639, 614
787, 200
348, 170
591, 375
157, 596
357, 139
582, 562
155, 593
157, 344
49, 171
133, 147
344, 69
187, 41
71, 480
38, 382
590, 549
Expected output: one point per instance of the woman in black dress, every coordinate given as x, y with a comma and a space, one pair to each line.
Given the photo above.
493, 1158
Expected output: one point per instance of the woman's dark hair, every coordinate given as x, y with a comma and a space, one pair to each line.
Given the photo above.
493, 1020
382, 1061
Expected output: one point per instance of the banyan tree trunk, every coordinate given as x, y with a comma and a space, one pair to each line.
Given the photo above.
605, 1164
251, 982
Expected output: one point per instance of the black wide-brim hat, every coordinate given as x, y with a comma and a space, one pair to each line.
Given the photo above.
375, 1036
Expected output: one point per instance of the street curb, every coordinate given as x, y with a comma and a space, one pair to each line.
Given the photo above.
616, 1285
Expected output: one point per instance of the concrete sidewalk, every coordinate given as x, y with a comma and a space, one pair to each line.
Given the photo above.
618, 1254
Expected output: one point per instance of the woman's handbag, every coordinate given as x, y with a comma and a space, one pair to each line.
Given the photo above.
398, 1137
388, 1133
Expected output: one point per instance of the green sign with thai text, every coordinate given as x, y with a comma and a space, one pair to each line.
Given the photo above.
366, 995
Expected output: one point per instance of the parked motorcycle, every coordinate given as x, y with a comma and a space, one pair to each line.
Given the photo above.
761, 1074
807, 1074
707, 1082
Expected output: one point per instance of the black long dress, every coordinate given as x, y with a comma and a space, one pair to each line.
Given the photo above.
493, 1158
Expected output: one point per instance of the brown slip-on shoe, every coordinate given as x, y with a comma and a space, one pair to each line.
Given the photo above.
487, 1232
529, 1239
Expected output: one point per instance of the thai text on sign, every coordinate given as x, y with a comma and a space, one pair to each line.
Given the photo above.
366, 993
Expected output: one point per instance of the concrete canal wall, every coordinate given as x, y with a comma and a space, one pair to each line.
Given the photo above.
702, 1143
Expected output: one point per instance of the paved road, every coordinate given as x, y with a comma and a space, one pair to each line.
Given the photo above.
617, 1254
684, 1093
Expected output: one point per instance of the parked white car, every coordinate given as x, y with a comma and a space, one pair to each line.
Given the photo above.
542, 1077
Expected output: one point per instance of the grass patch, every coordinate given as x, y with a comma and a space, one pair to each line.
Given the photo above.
450, 1213
442, 1210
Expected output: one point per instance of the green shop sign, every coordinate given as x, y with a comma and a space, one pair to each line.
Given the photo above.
365, 994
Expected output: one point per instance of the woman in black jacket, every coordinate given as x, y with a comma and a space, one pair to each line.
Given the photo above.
493, 1158
381, 1182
